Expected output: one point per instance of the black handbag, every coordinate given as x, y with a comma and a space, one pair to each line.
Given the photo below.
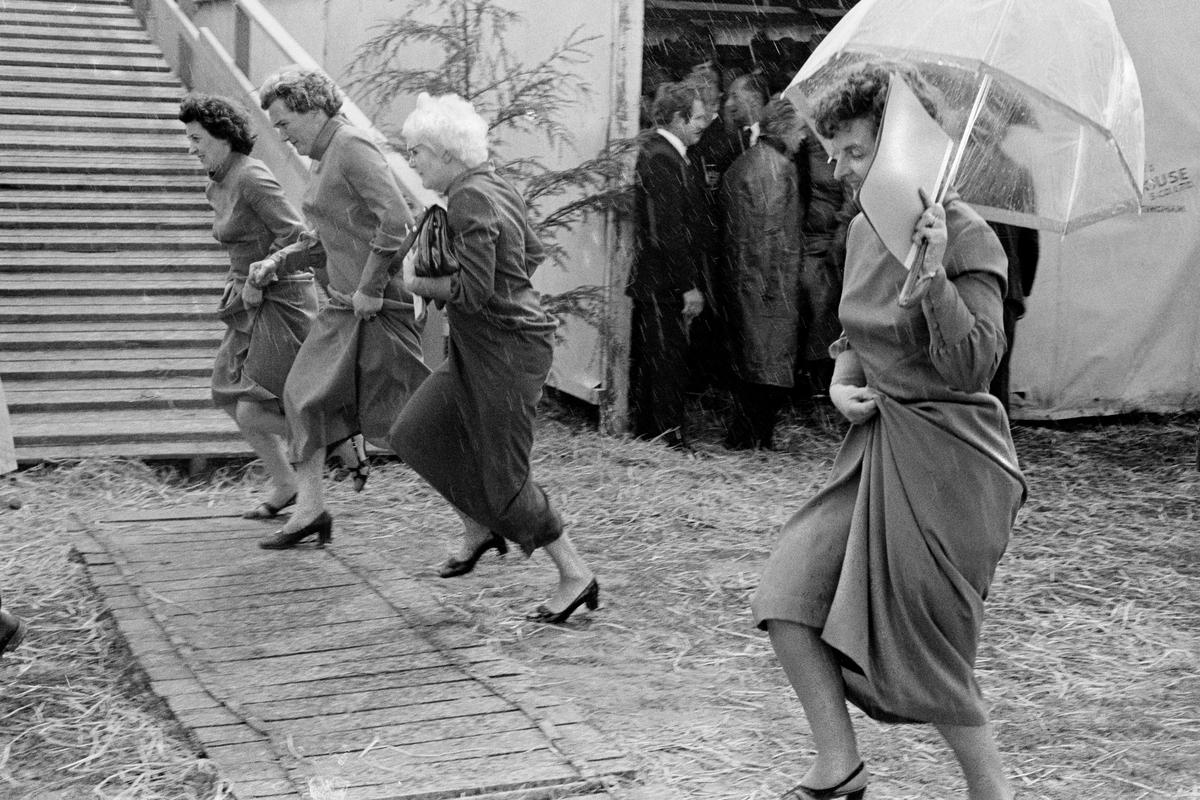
432, 255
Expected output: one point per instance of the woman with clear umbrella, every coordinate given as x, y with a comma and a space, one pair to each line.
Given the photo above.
874, 592
362, 360
265, 324
469, 428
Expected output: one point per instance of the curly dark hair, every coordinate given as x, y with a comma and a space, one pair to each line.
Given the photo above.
301, 90
221, 117
861, 93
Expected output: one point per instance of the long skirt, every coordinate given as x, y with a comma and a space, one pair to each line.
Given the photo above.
891, 561
260, 344
352, 376
468, 430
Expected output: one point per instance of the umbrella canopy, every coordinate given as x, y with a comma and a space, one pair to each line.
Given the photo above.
1041, 96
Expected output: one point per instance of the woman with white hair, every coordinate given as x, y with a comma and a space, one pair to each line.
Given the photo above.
362, 359
469, 429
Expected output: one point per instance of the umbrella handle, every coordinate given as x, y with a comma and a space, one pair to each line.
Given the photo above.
914, 283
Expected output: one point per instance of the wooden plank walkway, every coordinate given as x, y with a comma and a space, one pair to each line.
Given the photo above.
315, 670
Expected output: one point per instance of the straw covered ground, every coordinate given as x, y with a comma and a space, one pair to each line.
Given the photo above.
1089, 656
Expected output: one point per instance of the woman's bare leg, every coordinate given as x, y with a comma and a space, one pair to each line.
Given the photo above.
473, 535
574, 575
265, 431
816, 677
310, 501
978, 755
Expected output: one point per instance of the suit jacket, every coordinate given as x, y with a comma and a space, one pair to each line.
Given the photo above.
674, 228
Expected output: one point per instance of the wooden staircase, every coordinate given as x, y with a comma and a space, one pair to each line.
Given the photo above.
109, 274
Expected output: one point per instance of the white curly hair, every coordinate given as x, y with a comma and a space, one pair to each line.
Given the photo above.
449, 123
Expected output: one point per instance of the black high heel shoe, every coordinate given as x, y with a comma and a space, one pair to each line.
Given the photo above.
362, 470
461, 566
266, 510
322, 526
802, 792
590, 595
12, 631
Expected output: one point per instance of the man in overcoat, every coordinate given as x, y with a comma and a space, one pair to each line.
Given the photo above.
667, 281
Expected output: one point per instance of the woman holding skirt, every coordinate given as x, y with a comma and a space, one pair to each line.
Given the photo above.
469, 429
265, 323
362, 360
875, 590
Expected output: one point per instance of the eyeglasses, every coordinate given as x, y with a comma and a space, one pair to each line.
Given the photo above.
411, 152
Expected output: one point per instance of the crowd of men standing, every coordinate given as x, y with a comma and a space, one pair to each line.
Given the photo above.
740, 228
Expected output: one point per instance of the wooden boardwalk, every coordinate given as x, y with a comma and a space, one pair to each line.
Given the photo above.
317, 673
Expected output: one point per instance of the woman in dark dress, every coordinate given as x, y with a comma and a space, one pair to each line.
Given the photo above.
468, 430
265, 323
874, 592
362, 360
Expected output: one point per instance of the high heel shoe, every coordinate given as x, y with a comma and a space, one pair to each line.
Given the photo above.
590, 595
322, 526
361, 470
461, 566
802, 792
266, 510
12, 631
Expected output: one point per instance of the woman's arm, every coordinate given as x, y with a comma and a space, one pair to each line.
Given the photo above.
848, 390
367, 172
965, 312
271, 206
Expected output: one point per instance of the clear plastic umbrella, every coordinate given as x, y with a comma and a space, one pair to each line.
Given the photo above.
1040, 95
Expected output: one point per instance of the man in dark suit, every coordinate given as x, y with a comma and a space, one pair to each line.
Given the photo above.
667, 279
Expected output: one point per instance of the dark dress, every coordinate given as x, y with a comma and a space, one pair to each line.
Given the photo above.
351, 375
892, 559
468, 430
254, 219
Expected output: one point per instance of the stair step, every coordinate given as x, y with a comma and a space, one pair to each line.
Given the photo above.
38, 29
108, 427
113, 363
92, 241
99, 181
55, 399
90, 142
95, 312
134, 107
132, 80
179, 202
64, 9
123, 219
100, 283
89, 47
132, 62
75, 123
68, 263
234, 447
11, 343
72, 90
70, 22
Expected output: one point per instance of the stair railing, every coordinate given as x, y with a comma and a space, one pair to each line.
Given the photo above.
204, 64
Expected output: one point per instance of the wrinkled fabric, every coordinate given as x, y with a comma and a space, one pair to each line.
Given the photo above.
760, 196
253, 218
468, 430
893, 558
351, 375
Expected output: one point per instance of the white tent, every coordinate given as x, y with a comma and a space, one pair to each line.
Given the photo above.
1112, 324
